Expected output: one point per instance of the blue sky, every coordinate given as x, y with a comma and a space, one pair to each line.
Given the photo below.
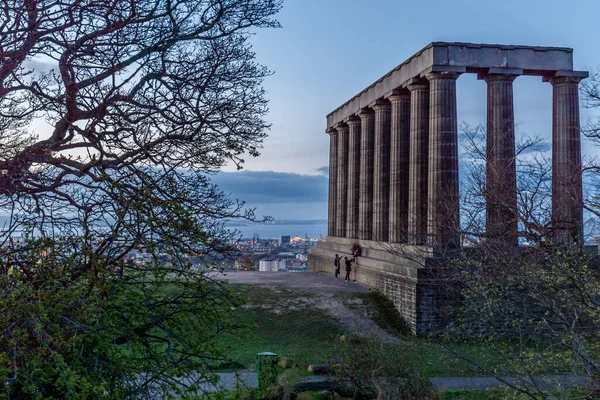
329, 50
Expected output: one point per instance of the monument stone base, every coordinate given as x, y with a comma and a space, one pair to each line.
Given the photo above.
405, 274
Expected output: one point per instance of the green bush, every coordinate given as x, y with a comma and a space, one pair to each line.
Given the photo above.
366, 368
66, 334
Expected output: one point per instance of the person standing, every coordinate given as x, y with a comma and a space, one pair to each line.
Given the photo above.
348, 268
336, 264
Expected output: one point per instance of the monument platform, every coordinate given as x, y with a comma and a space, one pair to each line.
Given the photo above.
403, 273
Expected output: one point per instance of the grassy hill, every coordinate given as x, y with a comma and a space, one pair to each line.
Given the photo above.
316, 326
297, 325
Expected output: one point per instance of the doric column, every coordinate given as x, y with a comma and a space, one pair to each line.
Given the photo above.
353, 177
567, 198
342, 179
418, 162
365, 203
381, 172
333, 160
443, 198
399, 166
501, 172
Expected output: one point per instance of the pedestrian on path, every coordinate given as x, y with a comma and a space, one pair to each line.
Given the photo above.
348, 268
336, 264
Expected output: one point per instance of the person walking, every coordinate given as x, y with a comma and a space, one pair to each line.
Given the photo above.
348, 268
336, 264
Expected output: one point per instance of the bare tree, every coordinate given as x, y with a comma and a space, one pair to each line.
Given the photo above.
113, 115
533, 186
132, 92
534, 308
129, 82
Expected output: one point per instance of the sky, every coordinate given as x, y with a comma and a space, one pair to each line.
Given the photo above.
329, 50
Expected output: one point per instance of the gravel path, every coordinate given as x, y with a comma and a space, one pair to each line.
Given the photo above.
248, 380
319, 291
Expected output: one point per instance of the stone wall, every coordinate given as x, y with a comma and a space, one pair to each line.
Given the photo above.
392, 271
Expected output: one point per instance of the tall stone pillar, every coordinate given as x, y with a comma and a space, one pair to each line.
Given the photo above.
381, 172
443, 220
567, 197
353, 177
365, 203
418, 162
332, 205
501, 172
399, 166
342, 180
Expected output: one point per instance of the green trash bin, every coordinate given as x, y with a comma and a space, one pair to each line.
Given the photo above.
266, 369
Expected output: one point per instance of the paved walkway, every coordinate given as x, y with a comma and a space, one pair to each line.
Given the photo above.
230, 380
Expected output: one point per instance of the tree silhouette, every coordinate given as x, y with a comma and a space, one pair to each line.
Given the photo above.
113, 115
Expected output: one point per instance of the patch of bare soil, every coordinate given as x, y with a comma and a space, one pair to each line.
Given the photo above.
319, 291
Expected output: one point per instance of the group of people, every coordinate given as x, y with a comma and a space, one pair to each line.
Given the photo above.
337, 261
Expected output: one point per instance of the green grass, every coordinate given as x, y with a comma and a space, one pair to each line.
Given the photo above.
427, 356
438, 361
382, 311
504, 358
489, 394
437, 358
302, 333
280, 322
308, 335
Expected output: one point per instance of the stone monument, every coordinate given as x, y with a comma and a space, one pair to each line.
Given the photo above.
393, 166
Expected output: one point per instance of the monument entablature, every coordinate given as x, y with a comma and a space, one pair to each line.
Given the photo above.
481, 59
393, 165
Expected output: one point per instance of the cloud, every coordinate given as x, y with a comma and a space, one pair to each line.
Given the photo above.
323, 170
259, 187
39, 65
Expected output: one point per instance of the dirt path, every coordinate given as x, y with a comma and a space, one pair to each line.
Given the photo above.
319, 291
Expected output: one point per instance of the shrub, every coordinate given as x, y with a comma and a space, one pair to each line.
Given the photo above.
366, 368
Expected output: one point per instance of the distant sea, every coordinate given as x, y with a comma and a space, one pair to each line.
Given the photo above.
275, 231
266, 231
